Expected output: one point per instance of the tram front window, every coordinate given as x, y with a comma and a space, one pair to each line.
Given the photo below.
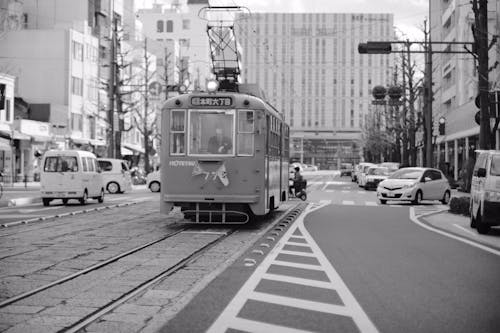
211, 132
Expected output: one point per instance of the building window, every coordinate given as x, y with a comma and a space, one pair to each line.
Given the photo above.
77, 51
76, 86
186, 24
170, 26
159, 26
7, 110
76, 122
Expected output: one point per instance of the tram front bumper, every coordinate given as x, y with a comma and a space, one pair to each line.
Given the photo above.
234, 198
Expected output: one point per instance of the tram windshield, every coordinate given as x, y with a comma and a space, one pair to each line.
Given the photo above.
211, 132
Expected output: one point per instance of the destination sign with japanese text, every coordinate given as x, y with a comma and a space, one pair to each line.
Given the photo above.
212, 101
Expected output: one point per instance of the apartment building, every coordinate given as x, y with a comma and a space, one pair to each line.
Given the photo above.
309, 68
456, 81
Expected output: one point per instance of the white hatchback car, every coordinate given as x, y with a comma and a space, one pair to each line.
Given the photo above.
116, 175
153, 181
415, 185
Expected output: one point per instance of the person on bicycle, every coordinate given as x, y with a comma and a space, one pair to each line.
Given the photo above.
297, 180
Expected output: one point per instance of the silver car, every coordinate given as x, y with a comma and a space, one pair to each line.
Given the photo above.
414, 185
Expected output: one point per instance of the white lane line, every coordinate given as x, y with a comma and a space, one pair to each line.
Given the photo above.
345, 191
300, 303
297, 244
361, 192
462, 228
297, 253
296, 280
348, 202
229, 316
415, 220
297, 265
27, 211
330, 191
371, 203
324, 187
246, 325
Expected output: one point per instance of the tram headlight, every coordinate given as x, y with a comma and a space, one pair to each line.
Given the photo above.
212, 86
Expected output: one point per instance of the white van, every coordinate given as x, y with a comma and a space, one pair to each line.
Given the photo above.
70, 174
116, 175
485, 191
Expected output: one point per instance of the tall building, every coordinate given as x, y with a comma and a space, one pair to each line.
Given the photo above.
455, 81
309, 68
181, 36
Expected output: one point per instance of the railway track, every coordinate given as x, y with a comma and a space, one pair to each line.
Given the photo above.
206, 240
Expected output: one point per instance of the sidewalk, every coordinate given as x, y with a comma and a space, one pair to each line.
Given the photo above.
19, 194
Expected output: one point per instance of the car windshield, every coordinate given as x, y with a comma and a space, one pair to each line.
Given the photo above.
378, 171
495, 165
407, 174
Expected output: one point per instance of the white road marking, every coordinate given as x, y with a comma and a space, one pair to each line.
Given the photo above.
296, 280
300, 303
27, 211
415, 220
297, 253
297, 244
345, 191
246, 325
330, 190
371, 203
348, 202
362, 192
229, 317
462, 228
296, 265
324, 187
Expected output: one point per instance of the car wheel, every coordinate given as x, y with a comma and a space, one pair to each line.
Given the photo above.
481, 227
382, 201
446, 198
155, 187
83, 200
46, 202
113, 187
100, 199
65, 201
418, 198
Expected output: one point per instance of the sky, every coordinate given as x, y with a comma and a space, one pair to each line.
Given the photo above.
409, 15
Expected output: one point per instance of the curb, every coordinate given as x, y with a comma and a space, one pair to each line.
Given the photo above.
20, 202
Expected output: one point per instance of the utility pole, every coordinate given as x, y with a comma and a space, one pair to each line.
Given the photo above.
411, 109
404, 139
480, 32
146, 101
428, 97
118, 98
111, 89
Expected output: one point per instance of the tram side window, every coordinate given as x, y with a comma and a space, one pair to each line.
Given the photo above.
245, 132
177, 133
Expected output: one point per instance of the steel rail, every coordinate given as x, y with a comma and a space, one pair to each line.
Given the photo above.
86, 270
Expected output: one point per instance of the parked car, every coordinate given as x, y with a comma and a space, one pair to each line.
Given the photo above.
485, 191
153, 181
374, 176
70, 174
415, 185
345, 169
357, 170
116, 175
310, 167
362, 173
392, 166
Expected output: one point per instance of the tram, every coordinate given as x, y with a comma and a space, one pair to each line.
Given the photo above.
224, 156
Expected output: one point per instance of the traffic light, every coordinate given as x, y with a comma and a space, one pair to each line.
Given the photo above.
374, 48
442, 126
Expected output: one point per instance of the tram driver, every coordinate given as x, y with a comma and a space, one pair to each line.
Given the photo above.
219, 144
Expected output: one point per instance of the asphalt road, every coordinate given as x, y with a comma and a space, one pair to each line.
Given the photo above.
353, 265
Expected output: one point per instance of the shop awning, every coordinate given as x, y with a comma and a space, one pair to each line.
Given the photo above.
136, 149
20, 136
5, 144
126, 151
